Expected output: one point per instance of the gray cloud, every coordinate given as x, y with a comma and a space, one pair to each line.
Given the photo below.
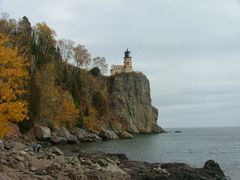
190, 50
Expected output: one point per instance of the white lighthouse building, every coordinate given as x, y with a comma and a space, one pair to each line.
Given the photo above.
126, 67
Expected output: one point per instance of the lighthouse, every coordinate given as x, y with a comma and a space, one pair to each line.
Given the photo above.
127, 64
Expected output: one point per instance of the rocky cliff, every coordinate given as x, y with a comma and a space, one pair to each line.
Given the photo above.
131, 102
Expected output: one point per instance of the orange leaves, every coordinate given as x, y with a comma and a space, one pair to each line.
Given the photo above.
69, 113
16, 111
13, 75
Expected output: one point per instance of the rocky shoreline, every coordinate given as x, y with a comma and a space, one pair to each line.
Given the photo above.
20, 160
77, 135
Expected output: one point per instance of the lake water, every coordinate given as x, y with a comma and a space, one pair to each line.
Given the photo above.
193, 146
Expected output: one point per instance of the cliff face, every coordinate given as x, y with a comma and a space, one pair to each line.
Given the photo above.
131, 102
121, 102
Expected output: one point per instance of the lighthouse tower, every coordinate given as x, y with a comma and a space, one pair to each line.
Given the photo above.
127, 61
126, 67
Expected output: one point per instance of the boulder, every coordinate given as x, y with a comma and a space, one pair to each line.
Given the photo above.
58, 140
63, 132
56, 151
63, 136
102, 162
94, 137
71, 139
81, 134
41, 172
84, 136
16, 146
43, 133
108, 135
36, 163
213, 166
124, 135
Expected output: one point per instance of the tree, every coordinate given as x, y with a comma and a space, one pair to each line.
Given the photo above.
66, 48
81, 56
100, 62
69, 113
23, 38
24, 26
7, 26
95, 71
44, 45
13, 75
56, 104
44, 36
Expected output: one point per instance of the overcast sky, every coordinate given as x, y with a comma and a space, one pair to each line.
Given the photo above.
189, 49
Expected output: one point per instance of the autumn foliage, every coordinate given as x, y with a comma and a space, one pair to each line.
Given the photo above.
47, 81
56, 103
13, 75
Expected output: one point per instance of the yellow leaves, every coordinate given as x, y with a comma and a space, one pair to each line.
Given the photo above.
13, 75
69, 113
16, 111
6, 93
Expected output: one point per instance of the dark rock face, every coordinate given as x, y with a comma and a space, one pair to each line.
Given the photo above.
213, 166
131, 102
108, 135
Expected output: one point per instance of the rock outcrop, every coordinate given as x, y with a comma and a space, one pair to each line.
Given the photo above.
63, 136
131, 102
108, 135
124, 135
84, 136
50, 163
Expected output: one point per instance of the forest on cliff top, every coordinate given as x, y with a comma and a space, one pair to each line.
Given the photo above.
47, 81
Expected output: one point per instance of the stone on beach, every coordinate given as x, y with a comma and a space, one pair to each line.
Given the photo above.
43, 133
108, 135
